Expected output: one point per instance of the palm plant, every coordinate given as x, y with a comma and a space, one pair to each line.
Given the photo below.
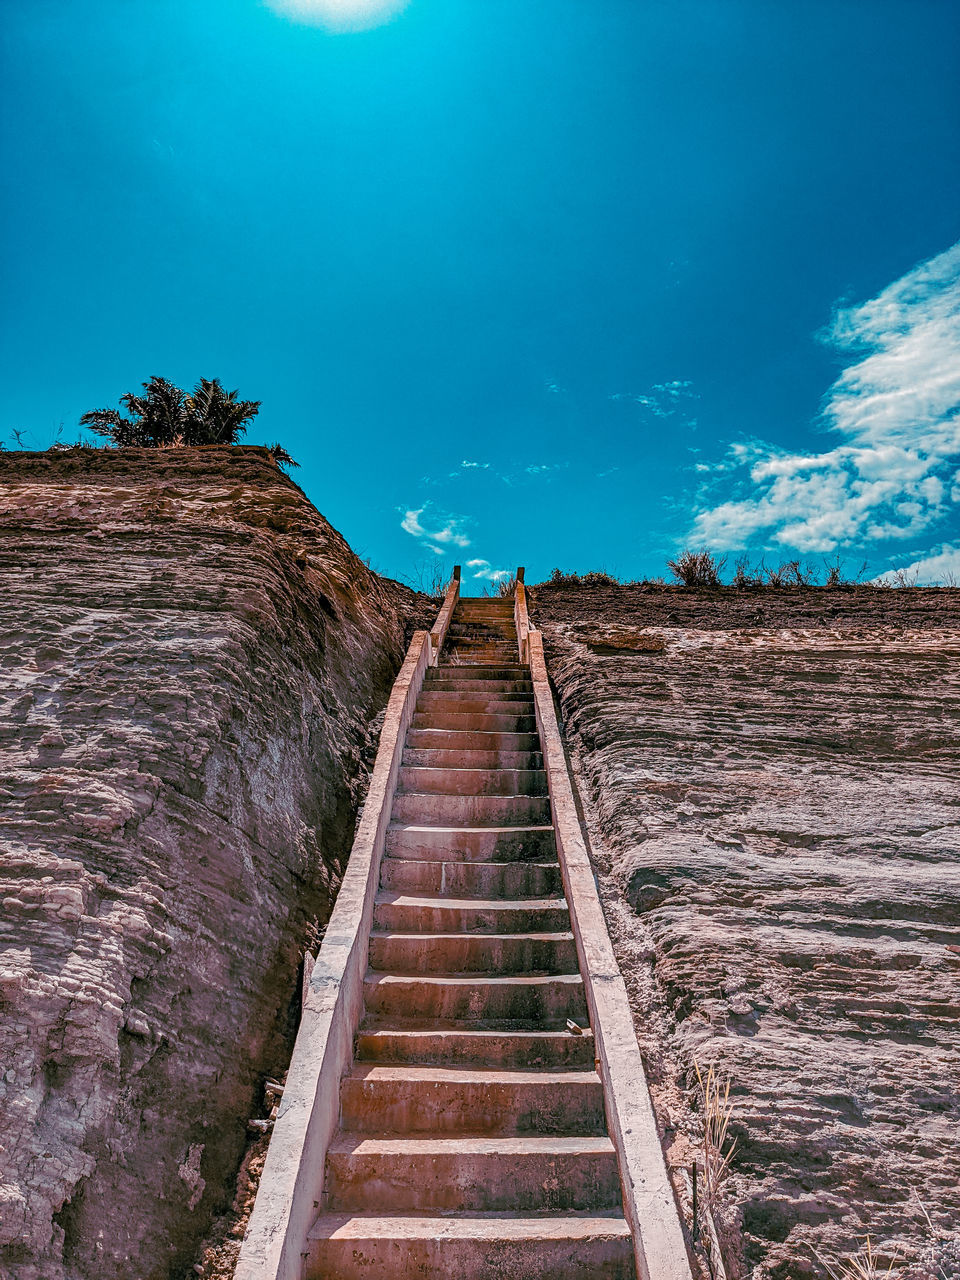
165, 415
156, 418
215, 416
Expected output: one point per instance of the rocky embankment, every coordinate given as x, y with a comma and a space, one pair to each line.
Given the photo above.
773, 794
192, 658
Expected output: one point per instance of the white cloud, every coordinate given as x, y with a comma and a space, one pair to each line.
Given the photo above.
662, 399
940, 568
896, 415
449, 533
484, 570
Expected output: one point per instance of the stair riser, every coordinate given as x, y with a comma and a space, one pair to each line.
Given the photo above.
465, 650
439, 758
440, 698
440, 1106
473, 782
471, 811
398, 917
467, 740
472, 1182
493, 1049
549, 1000
439, 1259
503, 704
464, 671
468, 687
475, 722
471, 879
476, 953
472, 846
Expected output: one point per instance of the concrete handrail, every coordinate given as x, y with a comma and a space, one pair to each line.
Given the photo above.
521, 615
649, 1204
439, 631
291, 1186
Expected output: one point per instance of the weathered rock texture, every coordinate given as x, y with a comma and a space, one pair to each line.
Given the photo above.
774, 800
191, 660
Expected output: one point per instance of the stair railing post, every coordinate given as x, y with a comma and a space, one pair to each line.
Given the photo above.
439, 632
521, 617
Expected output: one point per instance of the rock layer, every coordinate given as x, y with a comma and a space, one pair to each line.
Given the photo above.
774, 805
192, 658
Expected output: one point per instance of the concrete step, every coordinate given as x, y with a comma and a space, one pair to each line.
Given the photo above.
486, 953
380, 1041
472, 1175
466, 671
470, 997
446, 758
470, 811
483, 618
473, 782
413, 1099
409, 913
471, 844
466, 722
471, 879
468, 648
597, 1247
468, 685
479, 660
460, 641
467, 740
443, 704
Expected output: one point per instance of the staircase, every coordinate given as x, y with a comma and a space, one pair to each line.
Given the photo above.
472, 1140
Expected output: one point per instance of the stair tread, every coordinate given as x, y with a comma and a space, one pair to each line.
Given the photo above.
461, 979
466, 1075
471, 1144
486, 1226
466, 862
432, 901
382, 1025
512, 830
541, 936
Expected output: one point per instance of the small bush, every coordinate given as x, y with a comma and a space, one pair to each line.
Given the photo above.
697, 569
280, 456
790, 573
595, 578
743, 576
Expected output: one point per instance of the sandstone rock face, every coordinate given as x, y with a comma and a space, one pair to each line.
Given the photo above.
774, 803
192, 658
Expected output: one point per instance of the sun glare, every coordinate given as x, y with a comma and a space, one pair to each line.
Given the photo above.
339, 15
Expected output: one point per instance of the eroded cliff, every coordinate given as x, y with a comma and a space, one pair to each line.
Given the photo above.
774, 804
192, 658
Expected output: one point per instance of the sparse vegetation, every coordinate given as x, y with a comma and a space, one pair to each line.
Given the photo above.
862, 1265
428, 577
596, 578
717, 1147
703, 570
697, 569
280, 456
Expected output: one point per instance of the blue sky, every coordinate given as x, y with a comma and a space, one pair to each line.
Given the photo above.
564, 282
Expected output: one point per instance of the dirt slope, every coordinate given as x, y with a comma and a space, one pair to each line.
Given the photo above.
774, 800
192, 658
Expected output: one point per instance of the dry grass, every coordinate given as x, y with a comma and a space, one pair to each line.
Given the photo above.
717, 1146
862, 1265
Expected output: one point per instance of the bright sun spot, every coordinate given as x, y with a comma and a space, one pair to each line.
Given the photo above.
339, 15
